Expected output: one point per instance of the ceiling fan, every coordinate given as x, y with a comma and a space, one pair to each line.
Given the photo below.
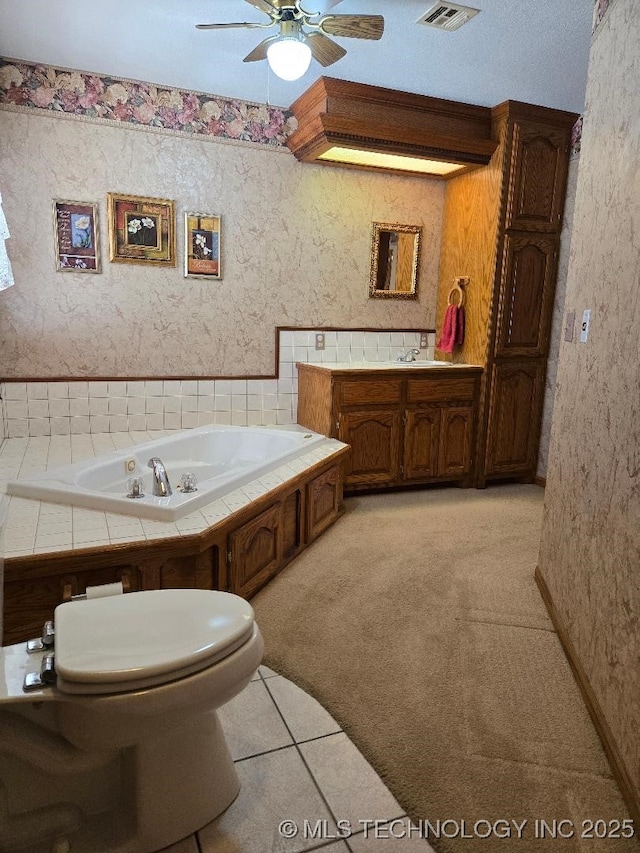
303, 34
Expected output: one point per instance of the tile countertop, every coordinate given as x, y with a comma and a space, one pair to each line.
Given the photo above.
38, 527
407, 367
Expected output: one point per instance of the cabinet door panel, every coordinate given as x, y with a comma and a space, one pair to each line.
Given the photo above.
539, 177
526, 295
256, 551
455, 441
374, 437
324, 499
421, 436
515, 408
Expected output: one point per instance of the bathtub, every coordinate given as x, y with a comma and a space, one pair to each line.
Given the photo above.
222, 458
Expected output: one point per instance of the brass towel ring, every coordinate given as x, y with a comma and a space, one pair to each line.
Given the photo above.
458, 285
450, 299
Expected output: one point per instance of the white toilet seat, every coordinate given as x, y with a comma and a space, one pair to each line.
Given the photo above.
129, 642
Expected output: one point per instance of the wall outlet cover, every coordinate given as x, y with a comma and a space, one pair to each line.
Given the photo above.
319, 340
424, 343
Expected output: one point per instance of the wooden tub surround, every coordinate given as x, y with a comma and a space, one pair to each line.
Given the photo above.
238, 547
406, 425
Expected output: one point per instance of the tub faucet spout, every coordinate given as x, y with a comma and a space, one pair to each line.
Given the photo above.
161, 485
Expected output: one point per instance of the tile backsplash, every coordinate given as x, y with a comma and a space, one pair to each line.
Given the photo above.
30, 409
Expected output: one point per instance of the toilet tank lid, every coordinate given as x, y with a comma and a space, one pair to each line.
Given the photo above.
129, 637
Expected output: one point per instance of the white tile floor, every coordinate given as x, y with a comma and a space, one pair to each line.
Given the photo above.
296, 765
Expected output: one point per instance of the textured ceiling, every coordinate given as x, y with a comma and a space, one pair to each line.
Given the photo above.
528, 50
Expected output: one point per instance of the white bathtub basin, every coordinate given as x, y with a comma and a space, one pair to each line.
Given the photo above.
223, 458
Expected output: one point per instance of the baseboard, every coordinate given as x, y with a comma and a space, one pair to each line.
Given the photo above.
618, 768
540, 481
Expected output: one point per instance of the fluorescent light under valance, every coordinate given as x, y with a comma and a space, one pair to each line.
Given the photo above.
393, 162
353, 124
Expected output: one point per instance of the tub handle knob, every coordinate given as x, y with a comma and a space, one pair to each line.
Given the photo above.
188, 482
134, 488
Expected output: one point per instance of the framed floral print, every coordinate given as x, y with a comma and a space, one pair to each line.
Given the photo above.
202, 250
75, 231
141, 230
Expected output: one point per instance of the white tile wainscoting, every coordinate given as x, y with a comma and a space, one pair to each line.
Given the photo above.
32, 409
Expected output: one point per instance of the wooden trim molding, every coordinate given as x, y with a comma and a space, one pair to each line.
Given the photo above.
540, 481
618, 768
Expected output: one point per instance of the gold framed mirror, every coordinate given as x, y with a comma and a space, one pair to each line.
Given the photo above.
395, 255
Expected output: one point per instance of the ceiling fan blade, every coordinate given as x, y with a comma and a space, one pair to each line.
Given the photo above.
227, 26
325, 51
263, 5
260, 51
317, 7
353, 26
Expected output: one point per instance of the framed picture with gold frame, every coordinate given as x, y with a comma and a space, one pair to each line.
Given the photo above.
75, 233
202, 249
141, 230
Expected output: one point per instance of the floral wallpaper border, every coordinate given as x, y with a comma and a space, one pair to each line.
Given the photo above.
97, 97
80, 94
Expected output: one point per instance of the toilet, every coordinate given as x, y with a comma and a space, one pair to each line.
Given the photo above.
123, 751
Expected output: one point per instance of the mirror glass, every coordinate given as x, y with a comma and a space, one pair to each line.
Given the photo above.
395, 253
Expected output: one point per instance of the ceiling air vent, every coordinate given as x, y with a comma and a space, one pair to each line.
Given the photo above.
446, 16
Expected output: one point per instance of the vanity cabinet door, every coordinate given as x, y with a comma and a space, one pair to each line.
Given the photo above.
421, 442
374, 436
437, 442
456, 431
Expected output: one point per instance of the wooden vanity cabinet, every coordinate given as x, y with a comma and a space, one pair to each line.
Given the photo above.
404, 426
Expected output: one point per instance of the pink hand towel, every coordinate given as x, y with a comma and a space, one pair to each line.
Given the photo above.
460, 327
449, 329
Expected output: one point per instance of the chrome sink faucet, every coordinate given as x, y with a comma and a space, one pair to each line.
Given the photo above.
161, 485
409, 356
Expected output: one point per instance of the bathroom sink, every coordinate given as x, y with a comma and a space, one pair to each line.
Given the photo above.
415, 364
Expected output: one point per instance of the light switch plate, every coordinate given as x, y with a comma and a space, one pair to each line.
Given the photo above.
584, 331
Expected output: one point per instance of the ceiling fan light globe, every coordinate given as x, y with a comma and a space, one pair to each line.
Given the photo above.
289, 58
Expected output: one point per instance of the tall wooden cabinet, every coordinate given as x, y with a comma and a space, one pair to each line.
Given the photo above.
502, 229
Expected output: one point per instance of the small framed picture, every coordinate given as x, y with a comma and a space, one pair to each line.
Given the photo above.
202, 256
141, 230
75, 230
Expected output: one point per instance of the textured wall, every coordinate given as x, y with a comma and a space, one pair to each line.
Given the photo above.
557, 325
590, 550
296, 249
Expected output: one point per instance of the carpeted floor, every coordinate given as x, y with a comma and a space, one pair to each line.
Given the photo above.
416, 621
